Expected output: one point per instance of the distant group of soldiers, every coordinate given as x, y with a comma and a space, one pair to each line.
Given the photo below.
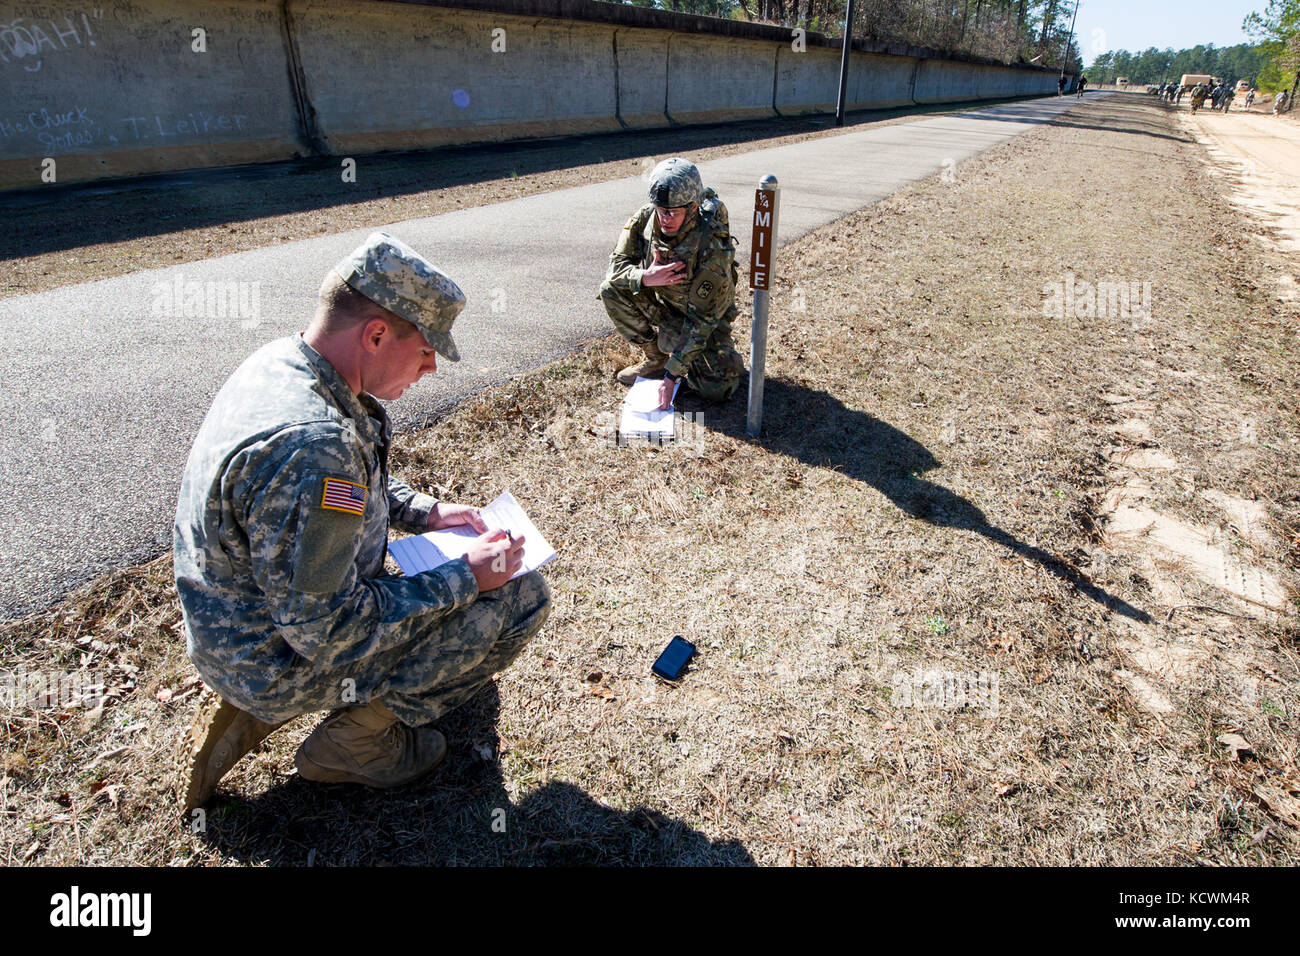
1220, 96
1170, 92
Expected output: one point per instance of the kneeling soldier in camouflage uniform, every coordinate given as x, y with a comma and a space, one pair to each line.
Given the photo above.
671, 286
280, 539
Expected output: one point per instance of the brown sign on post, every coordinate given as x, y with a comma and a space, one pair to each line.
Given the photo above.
760, 255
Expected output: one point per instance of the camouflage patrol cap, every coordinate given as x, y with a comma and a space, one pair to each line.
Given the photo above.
391, 274
675, 183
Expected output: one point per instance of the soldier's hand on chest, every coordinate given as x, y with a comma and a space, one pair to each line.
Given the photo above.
664, 272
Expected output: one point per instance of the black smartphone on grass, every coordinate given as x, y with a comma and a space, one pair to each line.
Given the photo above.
673, 660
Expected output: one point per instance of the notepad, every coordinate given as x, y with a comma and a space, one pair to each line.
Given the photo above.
433, 548
642, 417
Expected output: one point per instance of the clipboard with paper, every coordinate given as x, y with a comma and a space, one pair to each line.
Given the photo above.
642, 418
427, 551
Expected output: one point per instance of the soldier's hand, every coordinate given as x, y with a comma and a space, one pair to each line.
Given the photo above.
495, 558
666, 390
664, 273
448, 515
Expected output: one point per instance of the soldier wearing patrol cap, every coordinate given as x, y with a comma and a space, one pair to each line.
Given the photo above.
280, 537
671, 286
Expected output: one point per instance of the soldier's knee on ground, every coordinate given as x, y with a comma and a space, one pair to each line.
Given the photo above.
533, 601
607, 292
717, 378
530, 605
714, 390
628, 318
529, 600
503, 621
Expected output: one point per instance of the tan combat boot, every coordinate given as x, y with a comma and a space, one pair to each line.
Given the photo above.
220, 734
654, 363
369, 745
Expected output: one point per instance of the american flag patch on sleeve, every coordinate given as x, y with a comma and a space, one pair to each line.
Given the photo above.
340, 495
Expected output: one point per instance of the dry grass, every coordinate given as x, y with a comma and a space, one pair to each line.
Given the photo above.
924, 499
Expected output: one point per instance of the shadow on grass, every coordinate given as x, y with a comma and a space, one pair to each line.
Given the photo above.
817, 429
449, 818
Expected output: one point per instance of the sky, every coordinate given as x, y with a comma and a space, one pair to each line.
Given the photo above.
1135, 25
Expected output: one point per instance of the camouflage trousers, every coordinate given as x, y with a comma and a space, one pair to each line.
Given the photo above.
442, 668
714, 374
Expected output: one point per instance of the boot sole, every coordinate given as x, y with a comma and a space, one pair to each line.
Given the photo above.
219, 736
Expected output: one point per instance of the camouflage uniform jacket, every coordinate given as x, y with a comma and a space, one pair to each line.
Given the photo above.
705, 304
281, 532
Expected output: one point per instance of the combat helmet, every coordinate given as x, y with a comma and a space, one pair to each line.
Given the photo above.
675, 183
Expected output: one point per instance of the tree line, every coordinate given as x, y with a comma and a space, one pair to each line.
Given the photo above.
1271, 64
1009, 30
1241, 62
1277, 28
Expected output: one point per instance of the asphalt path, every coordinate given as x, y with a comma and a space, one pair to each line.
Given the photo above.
104, 384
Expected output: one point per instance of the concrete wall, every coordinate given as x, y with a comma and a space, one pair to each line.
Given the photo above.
112, 88
442, 83
642, 76
808, 82
116, 88
713, 79
941, 81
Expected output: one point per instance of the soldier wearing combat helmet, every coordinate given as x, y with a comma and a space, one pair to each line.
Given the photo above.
671, 286
280, 537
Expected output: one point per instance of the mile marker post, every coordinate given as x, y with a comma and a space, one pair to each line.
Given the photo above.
767, 201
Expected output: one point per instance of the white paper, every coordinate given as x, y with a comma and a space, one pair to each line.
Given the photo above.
433, 548
642, 416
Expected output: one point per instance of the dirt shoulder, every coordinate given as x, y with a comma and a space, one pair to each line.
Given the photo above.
941, 608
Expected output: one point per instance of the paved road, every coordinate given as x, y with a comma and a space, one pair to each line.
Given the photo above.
105, 383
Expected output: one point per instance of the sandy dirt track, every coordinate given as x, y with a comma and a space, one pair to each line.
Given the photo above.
1267, 150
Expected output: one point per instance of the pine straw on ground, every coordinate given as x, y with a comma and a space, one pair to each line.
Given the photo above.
923, 501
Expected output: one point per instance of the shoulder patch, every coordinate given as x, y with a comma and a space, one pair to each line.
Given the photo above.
336, 494
328, 533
